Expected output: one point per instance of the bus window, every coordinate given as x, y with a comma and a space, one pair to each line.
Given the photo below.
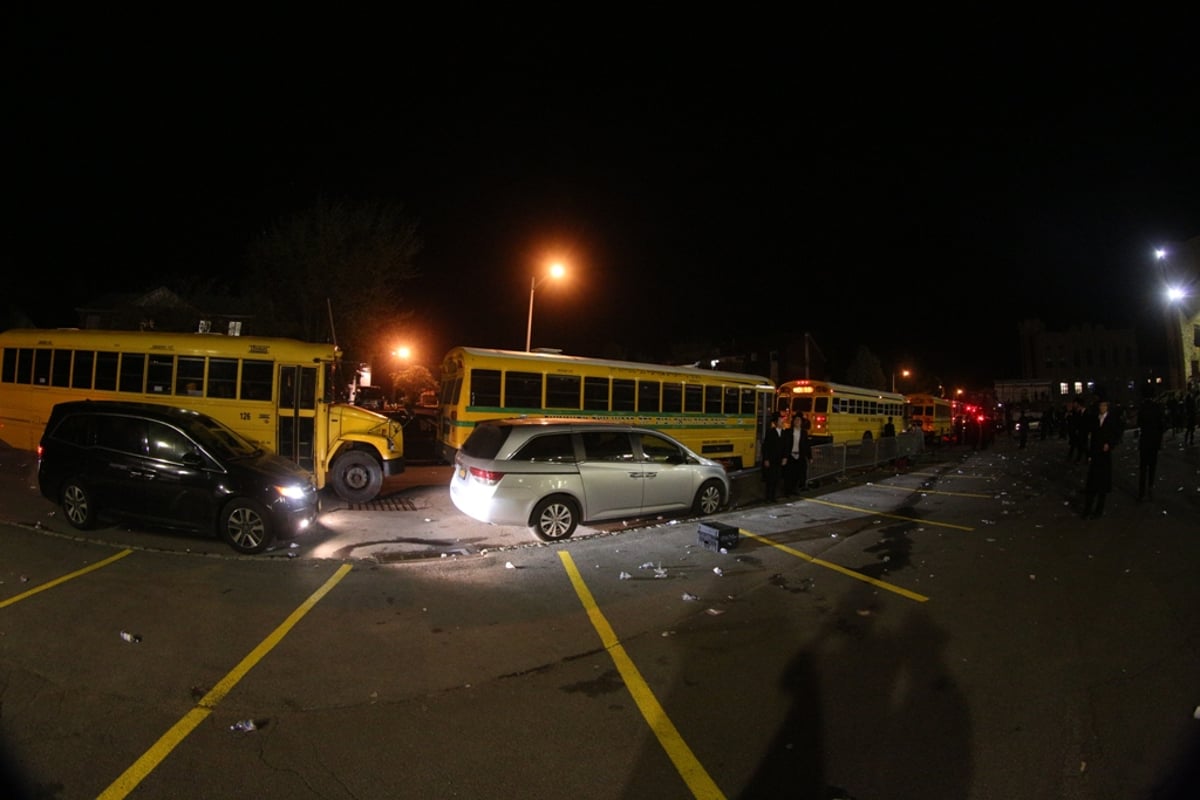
190, 376
60, 373
132, 375
81, 370
748, 397
257, 377
222, 377
41, 367
106, 371
623, 394
158, 374
693, 399
523, 390
712, 399
308, 387
595, 394
648, 396
731, 400
485, 387
672, 401
562, 391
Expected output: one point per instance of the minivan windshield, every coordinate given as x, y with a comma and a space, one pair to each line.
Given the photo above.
220, 441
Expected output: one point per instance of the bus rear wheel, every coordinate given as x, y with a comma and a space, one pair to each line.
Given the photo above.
356, 477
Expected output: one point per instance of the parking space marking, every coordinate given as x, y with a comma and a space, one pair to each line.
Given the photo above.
877, 513
70, 576
820, 562
146, 764
690, 769
980, 495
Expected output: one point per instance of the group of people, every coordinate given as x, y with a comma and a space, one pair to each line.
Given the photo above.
1094, 434
786, 454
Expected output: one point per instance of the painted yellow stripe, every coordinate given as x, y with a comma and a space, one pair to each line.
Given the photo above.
690, 769
129, 780
858, 576
860, 510
984, 495
51, 584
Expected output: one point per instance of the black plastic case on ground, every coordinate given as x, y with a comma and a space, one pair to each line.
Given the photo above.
717, 536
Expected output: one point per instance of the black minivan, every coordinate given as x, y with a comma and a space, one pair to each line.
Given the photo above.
171, 467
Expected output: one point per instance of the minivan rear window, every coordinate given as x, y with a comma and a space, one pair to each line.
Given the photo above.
554, 448
486, 440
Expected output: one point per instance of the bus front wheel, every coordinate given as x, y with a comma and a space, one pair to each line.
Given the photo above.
356, 477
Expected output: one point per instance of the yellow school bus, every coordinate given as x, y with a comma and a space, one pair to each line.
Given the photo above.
932, 414
277, 392
720, 415
838, 413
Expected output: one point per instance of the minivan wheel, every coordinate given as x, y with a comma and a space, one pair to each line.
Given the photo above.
709, 499
555, 518
245, 527
77, 505
356, 477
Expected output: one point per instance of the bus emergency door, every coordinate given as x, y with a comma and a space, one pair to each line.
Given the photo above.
297, 414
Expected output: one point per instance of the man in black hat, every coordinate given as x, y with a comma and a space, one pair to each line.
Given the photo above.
772, 458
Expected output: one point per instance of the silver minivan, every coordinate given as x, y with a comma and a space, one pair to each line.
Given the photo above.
552, 474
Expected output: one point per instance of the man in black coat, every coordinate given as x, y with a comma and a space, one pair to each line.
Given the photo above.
1103, 432
772, 458
797, 453
1151, 423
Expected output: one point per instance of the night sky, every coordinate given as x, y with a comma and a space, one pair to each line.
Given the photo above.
917, 188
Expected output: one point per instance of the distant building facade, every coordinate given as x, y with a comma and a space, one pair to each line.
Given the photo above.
1181, 269
1081, 361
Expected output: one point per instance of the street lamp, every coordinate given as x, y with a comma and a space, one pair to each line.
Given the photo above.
556, 271
904, 373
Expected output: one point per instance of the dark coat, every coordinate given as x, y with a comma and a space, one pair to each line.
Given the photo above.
1102, 439
1151, 422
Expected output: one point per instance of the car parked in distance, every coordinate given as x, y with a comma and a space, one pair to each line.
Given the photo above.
553, 474
170, 467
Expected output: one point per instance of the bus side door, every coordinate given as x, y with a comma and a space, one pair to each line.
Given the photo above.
297, 414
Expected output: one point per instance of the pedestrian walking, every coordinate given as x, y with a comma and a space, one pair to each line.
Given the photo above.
1076, 437
797, 456
1189, 418
1022, 430
772, 458
1150, 435
1104, 431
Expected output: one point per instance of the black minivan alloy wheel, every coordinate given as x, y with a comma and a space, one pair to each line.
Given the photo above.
77, 504
245, 527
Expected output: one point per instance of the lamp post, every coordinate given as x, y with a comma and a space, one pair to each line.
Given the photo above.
556, 271
904, 373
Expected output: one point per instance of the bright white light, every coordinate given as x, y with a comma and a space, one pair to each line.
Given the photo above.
1160, 253
1174, 293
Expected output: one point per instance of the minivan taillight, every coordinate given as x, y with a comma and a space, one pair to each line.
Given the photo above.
490, 477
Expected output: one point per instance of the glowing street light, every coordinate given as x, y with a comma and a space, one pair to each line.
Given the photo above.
403, 352
904, 373
556, 271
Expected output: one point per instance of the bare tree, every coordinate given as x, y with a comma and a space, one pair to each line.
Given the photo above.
336, 269
866, 371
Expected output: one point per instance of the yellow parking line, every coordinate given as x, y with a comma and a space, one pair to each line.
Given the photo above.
51, 584
129, 780
690, 769
889, 516
858, 576
984, 495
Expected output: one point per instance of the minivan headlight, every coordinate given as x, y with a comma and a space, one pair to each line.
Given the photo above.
291, 491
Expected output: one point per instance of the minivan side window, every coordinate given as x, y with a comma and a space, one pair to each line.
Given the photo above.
659, 450
555, 448
607, 446
168, 444
125, 434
